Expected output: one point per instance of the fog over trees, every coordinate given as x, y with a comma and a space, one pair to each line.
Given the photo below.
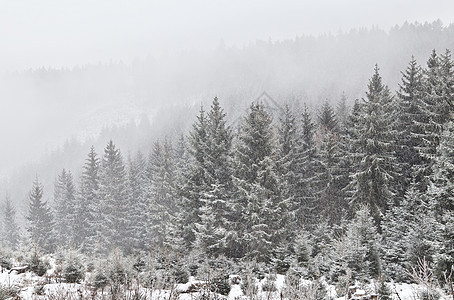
312, 167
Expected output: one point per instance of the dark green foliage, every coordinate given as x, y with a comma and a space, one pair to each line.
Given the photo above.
373, 180
74, 270
162, 194
73, 273
139, 264
5, 263
362, 249
115, 208
193, 270
9, 292
180, 275
410, 130
220, 284
261, 205
139, 187
65, 208
38, 265
428, 294
100, 280
88, 205
269, 286
40, 219
39, 290
10, 229
384, 291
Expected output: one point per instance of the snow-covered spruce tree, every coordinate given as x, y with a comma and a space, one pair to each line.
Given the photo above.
113, 192
342, 112
442, 190
211, 231
138, 188
329, 179
288, 142
395, 227
261, 206
305, 190
10, 234
410, 120
288, 137
216, 209
88, 205
361, 249
437, 105
40, 219
408, 234
175, 240
162, 194
65, 206
421, 227
196, 180
373, 182
321, 241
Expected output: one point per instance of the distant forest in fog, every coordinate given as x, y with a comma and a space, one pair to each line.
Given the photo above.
155, 97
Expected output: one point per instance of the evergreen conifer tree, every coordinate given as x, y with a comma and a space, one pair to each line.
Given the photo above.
88, 207
442, 190
65, 214
373, 183
362, 252
139, 204
305, 164
162, 194
113, 192
410, 130
40, 219
261, 206
10, 234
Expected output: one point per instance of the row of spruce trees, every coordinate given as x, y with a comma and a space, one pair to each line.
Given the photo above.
366, 192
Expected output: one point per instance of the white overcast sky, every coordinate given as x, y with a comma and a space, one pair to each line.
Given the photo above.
66, 33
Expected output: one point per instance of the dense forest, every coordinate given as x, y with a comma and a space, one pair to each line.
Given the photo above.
49, 105
349, 194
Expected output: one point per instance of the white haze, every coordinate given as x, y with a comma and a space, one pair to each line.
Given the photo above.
66, 34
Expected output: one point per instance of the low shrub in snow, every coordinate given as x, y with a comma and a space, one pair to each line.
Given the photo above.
427, 294
9, 292
38, 265
220, 284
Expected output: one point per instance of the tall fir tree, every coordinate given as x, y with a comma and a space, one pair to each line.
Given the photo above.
215, 210
113, 192
328, 171
10, 234
442, 191
196, 180
436, 107
362, 246
305, 175
40, 219
289, 140
410, 129
261, 206
138, 188
342, 112
162, 194
88, 205
373, 183
65, 214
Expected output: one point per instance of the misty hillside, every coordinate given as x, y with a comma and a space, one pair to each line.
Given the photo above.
49, 105
282, 202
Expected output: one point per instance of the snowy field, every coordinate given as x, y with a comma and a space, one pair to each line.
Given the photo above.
30, 286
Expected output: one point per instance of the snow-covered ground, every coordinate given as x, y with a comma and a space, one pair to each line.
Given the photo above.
34, 287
